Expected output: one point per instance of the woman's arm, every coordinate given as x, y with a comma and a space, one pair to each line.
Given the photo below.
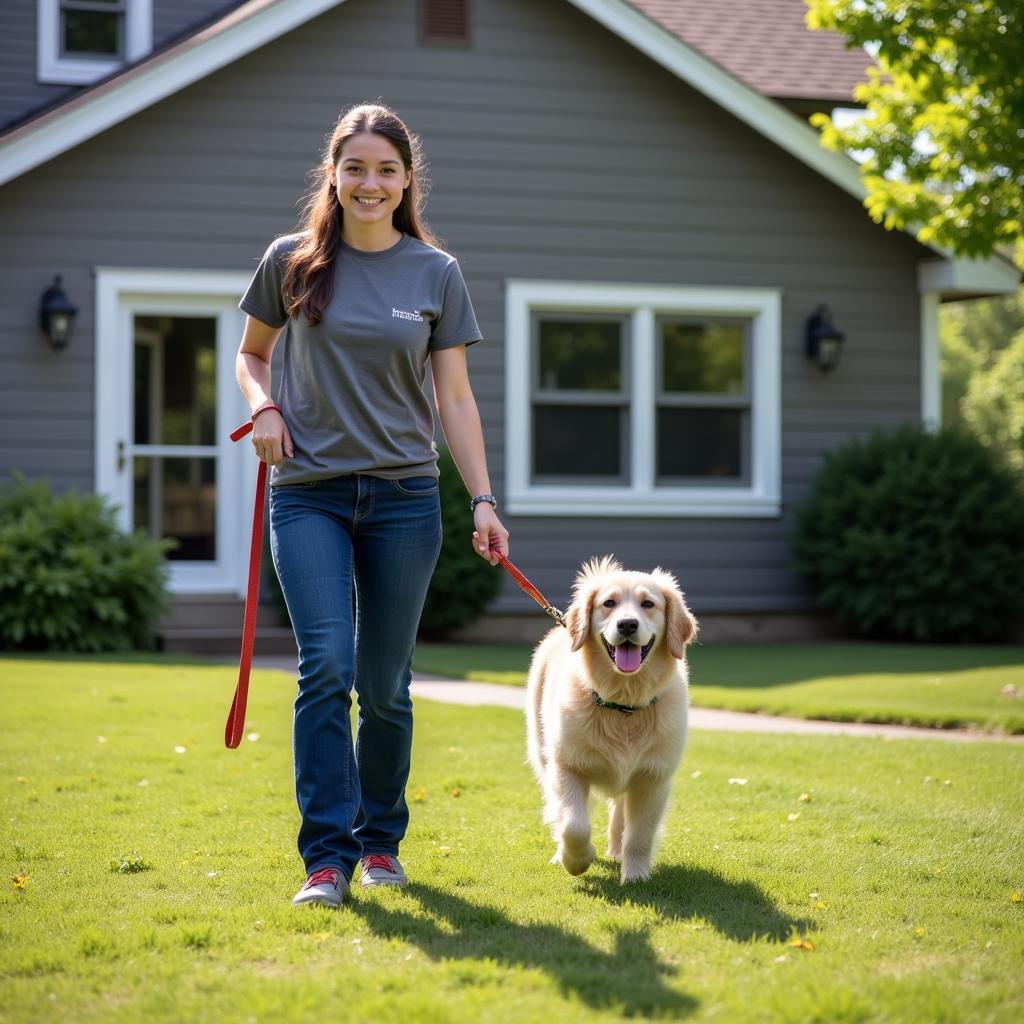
270, 435
460, 422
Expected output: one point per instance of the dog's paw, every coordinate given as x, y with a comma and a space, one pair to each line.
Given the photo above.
575, 861
635, 870
614, 851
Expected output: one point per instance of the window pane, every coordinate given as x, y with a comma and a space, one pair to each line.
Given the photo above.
177, 498
572, 440
700, 443
176, 393
92, 32
581, 355
702, 358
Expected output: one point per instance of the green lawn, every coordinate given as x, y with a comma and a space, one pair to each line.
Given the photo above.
938, 686
892, 894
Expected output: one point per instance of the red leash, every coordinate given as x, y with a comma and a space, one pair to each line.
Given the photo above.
526, 585
236, 716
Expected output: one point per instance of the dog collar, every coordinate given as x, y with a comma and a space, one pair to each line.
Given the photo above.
626, 709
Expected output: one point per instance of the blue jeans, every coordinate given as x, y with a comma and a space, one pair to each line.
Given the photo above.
354, 555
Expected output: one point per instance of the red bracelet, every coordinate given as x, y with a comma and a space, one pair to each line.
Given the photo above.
264, 408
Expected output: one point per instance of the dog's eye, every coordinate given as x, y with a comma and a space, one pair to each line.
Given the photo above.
610, 603
647, 604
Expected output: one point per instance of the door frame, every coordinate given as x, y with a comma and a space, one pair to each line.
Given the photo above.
122, 293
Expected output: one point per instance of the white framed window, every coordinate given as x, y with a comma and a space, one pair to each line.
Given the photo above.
642, 400
81, 41
166, 402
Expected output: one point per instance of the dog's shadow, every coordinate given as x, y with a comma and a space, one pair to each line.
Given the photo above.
739, 910
629, 978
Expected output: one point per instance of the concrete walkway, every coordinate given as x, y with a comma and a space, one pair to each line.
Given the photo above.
457, 691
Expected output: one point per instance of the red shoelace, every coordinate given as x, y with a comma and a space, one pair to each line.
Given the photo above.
377, 860
321, 876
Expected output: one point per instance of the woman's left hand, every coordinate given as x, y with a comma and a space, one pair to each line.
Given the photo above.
489, 537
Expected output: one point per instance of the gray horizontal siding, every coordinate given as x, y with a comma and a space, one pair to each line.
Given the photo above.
556, 152
20, 91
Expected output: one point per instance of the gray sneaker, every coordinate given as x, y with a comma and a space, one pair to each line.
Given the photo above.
380, 869
326, 888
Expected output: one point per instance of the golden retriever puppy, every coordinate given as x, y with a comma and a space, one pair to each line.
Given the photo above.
607, 710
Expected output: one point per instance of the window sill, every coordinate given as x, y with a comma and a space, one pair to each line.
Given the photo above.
76, 72
620, 502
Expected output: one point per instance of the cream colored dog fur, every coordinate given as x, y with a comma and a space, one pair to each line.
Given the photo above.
626, 641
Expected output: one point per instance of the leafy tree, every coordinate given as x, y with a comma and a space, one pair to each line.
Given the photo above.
993, 406
944, 139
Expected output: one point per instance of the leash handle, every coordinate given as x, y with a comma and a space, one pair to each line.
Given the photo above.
530, 589
236, 716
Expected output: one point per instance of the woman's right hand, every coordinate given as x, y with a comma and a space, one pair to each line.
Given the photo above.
270, 437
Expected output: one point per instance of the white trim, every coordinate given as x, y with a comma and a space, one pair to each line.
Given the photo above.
762, 498
120, 293
765, 116
251, 26
931, 373
51, 67
259, 22
962, 278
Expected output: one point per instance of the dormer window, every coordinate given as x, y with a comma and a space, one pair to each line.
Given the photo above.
92, 28
81, 41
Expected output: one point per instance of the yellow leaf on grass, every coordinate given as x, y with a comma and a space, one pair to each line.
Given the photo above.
805, 798
1015, 896
800, 943
918, 933
456, 791
20, 881
420, 795
821, 905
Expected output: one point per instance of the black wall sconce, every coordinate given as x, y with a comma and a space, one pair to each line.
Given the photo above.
824, 342
57, 315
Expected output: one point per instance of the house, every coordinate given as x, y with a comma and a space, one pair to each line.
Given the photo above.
644, 218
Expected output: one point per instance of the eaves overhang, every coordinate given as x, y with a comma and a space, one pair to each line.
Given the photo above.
259, 22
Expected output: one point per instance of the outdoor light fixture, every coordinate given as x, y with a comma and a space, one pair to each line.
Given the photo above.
824, 342
57, 315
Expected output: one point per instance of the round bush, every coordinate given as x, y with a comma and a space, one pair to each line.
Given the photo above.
463, 584
910, 535
70, 580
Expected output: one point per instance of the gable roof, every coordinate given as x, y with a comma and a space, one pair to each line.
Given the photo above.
766, 44
258, 22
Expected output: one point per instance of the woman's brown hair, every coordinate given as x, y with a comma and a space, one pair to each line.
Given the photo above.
309, 267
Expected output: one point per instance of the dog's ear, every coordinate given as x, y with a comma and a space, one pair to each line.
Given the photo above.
577, 619
680, 625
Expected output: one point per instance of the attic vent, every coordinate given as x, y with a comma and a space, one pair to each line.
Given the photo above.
444, 21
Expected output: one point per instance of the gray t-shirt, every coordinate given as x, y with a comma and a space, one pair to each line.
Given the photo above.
351, 389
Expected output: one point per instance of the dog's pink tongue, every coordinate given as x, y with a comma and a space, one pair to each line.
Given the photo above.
627, 657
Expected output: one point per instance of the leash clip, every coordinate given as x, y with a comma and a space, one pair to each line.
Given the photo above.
558, 616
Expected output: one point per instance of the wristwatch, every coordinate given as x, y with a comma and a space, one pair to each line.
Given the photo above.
489, 498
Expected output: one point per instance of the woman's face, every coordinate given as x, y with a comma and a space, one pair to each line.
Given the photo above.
370, 178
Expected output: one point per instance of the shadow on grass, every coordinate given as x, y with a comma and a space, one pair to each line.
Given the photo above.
629, 979
741, 911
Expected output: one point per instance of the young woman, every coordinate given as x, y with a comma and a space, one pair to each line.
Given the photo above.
367, 298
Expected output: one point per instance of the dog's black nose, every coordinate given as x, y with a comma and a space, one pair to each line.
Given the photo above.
627, 627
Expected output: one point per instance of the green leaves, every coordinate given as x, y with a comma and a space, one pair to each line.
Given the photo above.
70, 580
944, 139
915, 536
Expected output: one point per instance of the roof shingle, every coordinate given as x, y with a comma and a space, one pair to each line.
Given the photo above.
766, 44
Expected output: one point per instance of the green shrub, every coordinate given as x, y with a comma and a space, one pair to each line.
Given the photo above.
910, 535
70, 580
463, 584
